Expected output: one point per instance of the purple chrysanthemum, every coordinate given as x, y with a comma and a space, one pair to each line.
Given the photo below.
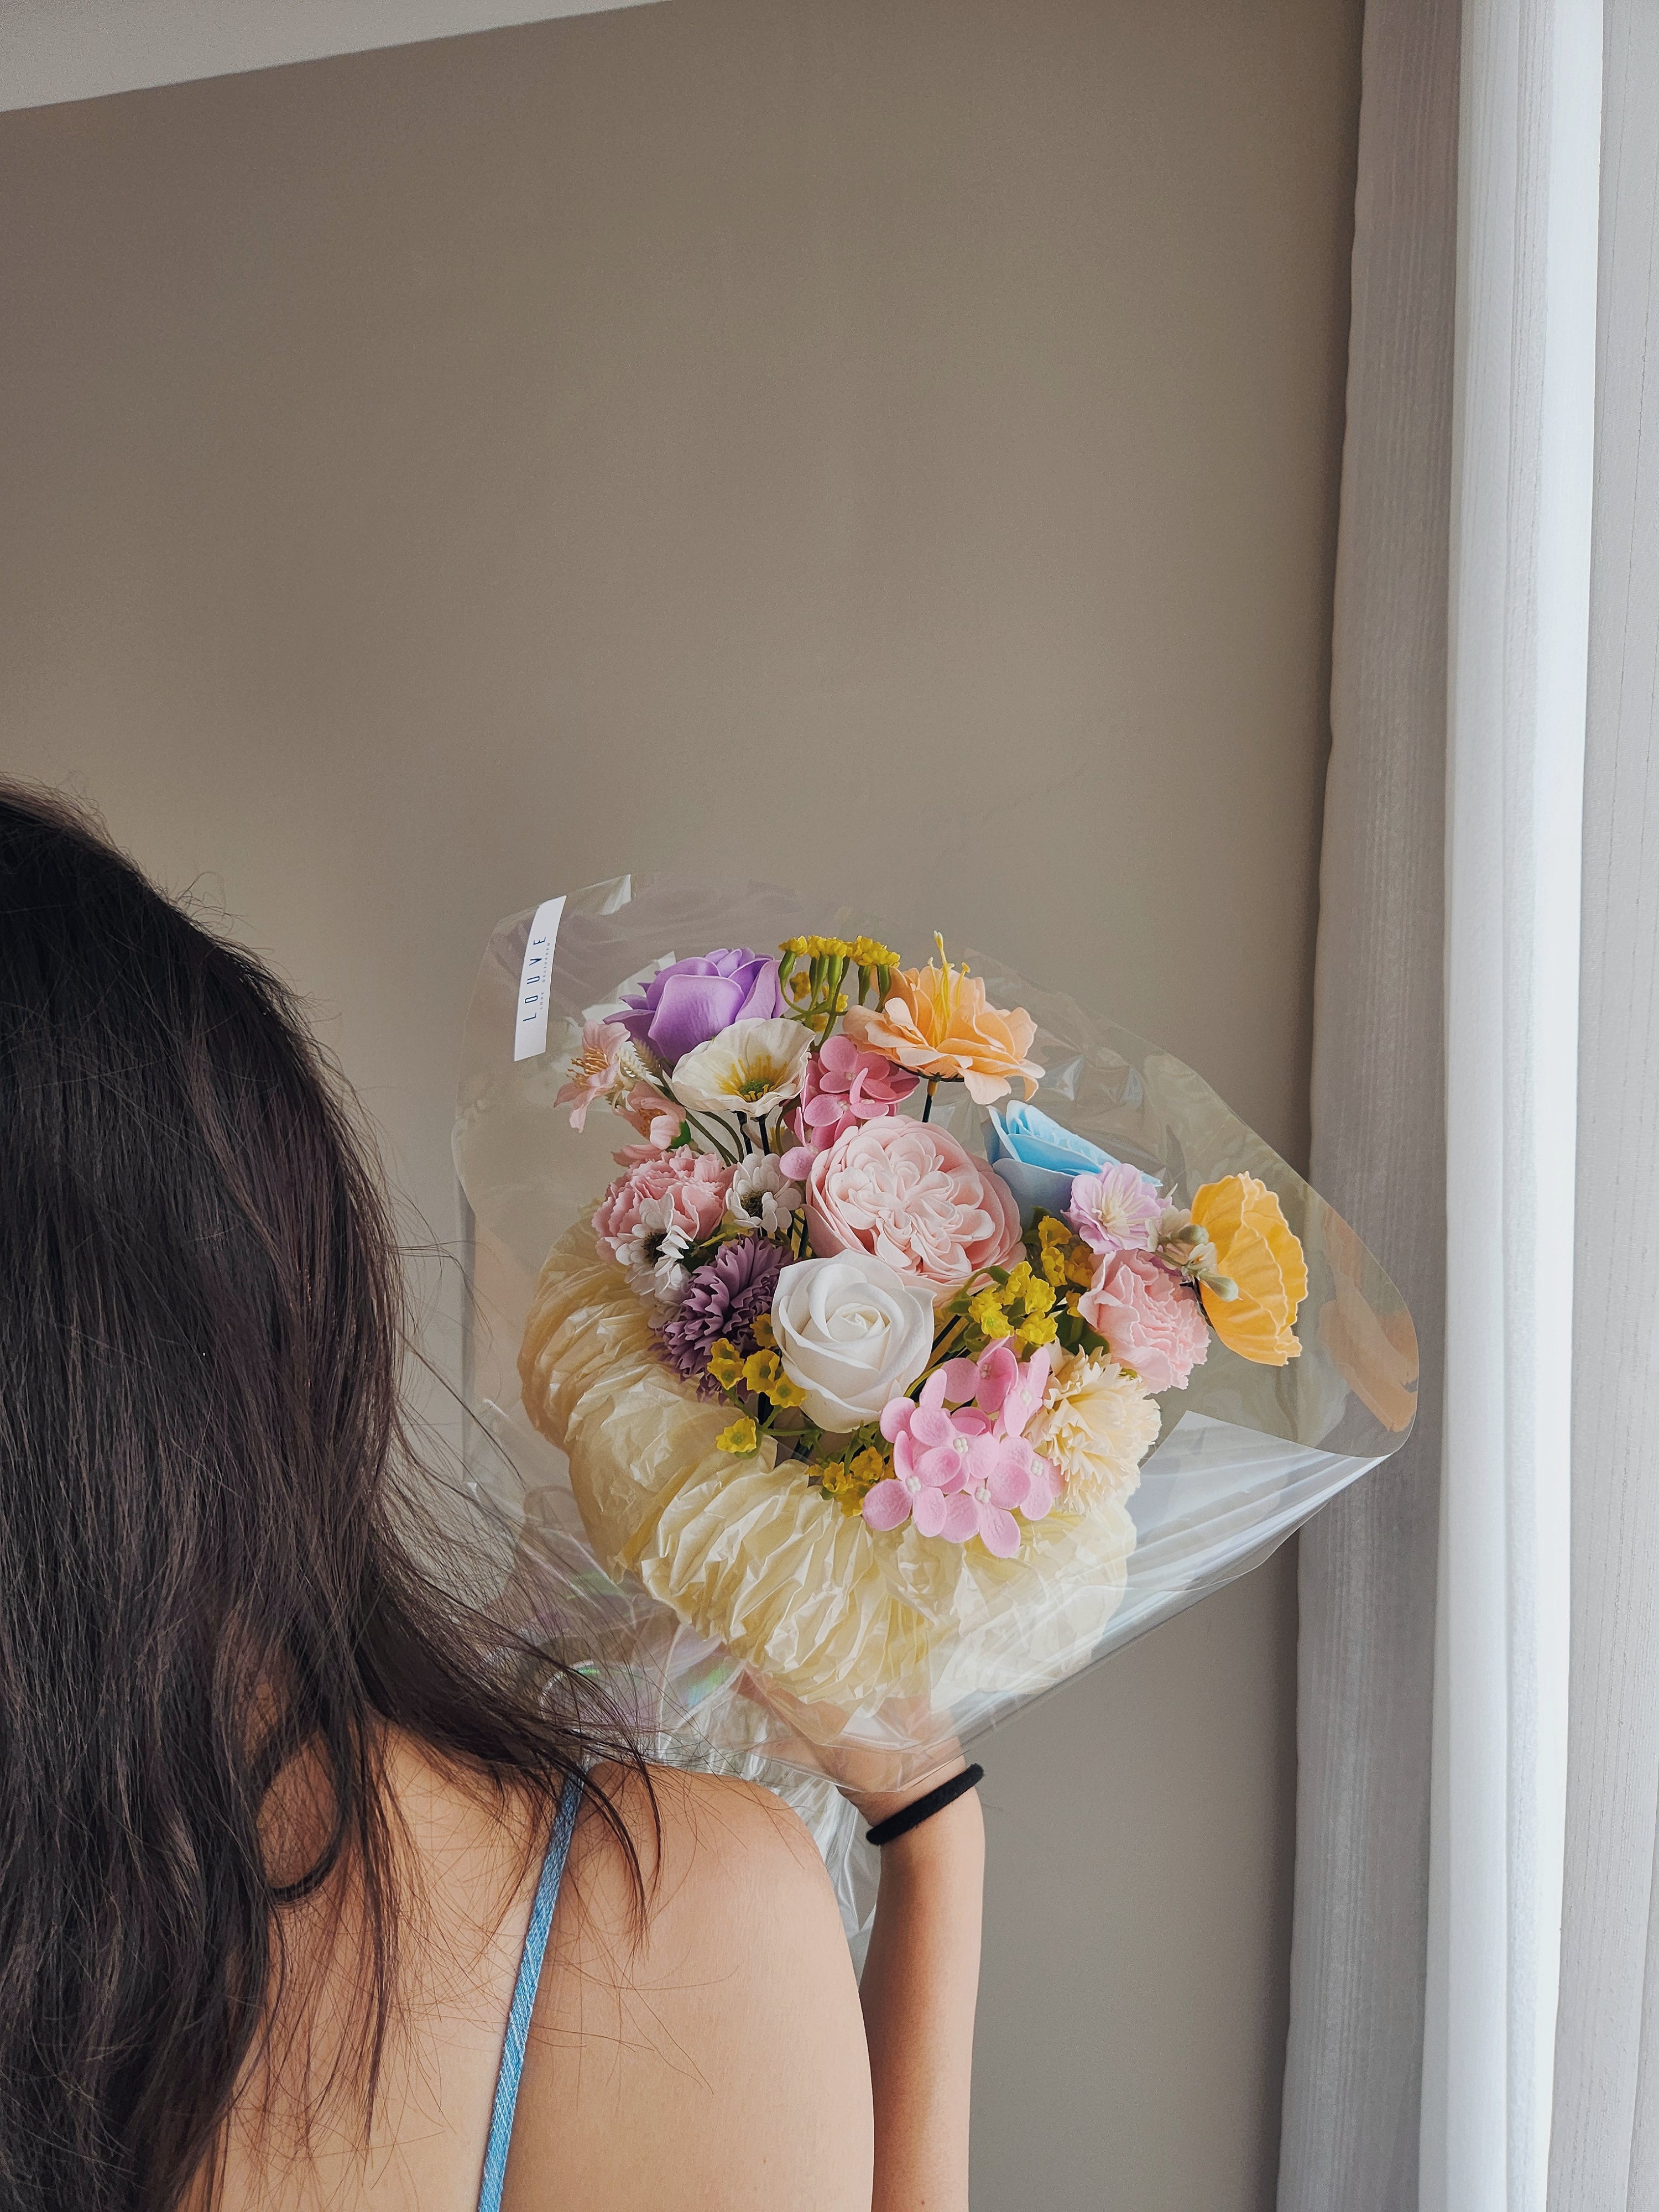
724, 1297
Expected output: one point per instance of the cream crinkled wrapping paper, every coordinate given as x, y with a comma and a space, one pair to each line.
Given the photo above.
832, 1614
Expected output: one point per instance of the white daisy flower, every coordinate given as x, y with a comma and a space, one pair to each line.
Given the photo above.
762, 1197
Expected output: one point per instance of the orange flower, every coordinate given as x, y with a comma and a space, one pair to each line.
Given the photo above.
1255, 1247
935, 1020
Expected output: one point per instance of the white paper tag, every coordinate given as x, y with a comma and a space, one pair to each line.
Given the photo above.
530, 1031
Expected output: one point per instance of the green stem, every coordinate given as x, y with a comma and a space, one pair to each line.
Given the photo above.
710, 1136
941, 1351
927, 1103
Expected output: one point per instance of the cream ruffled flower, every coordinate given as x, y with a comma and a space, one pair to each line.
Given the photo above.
1097, 1425
749, 1068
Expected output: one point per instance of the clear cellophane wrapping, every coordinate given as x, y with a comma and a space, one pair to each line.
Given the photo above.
742, 1622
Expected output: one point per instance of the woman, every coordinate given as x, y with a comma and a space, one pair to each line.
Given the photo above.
286, 1833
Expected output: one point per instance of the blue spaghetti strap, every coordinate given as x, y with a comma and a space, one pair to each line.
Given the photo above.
524, 1998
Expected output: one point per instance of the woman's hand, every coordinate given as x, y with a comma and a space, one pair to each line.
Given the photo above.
879, 1778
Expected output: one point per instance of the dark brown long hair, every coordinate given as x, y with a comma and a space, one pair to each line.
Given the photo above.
203, 1572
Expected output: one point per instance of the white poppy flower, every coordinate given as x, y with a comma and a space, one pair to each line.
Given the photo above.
749, 1068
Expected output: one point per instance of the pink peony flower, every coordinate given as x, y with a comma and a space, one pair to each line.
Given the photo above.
845, 1086
661, 1207
1149, 1320
1116, 1208
964, 1470
909, 1195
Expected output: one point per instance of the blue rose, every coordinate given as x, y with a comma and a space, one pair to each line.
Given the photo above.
1037, 1159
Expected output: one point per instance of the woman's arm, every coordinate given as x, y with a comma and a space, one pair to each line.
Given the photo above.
920, 1982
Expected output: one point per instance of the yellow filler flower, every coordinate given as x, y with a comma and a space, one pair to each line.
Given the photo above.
1254, 1246
726, 1363
740, 1437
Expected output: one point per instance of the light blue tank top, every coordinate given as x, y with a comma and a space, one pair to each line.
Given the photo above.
524, 1998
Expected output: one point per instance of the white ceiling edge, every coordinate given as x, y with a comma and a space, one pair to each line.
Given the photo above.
56, 50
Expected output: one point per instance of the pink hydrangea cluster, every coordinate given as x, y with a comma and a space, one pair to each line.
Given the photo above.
962, 1465
845, 1085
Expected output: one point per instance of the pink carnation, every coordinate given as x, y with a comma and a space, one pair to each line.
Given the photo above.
909, 1195
692, 1186
845, 1086
1151, 1322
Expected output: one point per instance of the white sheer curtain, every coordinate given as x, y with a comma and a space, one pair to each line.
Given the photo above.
1604, 2150
1529, 146
1530, 2015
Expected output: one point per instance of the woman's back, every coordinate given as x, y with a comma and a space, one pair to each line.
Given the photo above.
711, 2056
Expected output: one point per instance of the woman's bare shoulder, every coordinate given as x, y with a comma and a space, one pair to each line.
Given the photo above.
710, 2052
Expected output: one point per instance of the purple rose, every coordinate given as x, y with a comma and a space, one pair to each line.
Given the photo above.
693, 1000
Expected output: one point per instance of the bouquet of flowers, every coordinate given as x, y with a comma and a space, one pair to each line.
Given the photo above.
925, 1339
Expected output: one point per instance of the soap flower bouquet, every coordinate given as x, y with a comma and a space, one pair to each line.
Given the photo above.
856, 1347
928, 1338
864, 1408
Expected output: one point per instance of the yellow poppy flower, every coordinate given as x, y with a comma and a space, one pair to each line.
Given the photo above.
1255, 1247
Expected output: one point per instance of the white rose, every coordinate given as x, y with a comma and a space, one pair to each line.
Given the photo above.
852, 1333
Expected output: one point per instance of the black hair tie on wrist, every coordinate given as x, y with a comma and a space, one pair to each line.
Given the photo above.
912, 1816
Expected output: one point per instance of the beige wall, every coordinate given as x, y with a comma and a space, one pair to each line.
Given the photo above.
438, 477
